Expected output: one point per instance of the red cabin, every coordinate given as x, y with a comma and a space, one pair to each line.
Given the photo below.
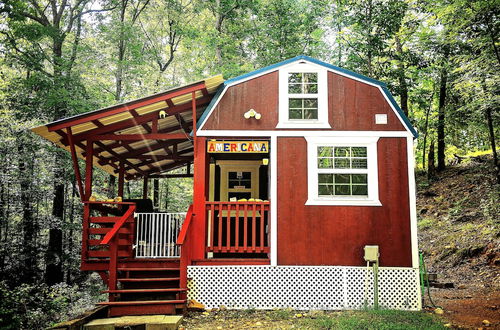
302, 175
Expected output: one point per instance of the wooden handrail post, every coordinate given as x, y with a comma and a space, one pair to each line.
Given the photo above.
85, 231
113, 265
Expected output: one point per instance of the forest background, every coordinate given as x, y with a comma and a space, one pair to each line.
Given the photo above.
58, 58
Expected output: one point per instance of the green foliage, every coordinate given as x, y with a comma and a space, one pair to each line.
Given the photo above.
425, 223
376, 320
38, 306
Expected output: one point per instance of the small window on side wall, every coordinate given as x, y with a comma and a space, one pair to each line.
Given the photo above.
342, 173
303, 99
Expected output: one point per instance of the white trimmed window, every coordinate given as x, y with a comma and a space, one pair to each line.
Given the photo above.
303, 99
342, 171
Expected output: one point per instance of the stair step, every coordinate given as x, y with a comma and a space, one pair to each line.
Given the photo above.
157, 279
105, 254
106, 219
144, 269
142, 302
104, 231
95, 242
144, 290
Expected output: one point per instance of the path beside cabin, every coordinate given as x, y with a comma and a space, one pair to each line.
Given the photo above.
459, 234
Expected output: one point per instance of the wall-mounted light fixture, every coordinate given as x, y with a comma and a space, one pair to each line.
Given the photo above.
252, 113
162, 114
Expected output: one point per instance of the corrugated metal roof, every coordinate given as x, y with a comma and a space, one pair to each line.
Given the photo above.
134, 117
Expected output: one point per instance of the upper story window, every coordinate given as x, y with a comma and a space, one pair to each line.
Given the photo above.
303, 99
302, 95
342, 171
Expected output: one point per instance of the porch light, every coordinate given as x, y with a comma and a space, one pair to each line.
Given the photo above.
252, 113
265, 161
162, 114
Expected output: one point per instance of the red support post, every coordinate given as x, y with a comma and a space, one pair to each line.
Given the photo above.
193, 108
200, 179
74, 158
88, 169
85, 232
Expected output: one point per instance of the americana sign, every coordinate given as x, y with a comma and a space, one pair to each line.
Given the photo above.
238, 146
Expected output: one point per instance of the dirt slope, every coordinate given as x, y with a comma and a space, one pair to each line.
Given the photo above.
459, 234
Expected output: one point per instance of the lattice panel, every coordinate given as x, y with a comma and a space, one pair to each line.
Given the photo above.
302, 287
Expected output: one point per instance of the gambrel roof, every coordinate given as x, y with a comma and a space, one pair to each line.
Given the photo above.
344, 72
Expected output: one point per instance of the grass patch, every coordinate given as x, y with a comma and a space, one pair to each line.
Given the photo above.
425, 223
281, 314
376, 320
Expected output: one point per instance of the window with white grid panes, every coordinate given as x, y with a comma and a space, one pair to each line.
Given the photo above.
302, 95
333, 162
342, 173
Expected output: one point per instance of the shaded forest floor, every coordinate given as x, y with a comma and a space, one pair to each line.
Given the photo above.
459, 234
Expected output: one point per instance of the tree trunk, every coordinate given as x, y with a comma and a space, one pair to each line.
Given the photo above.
28, 274
156, 193
111, 186
403, 86
441, 115
431, 171
426, 129
53, 257
491, 131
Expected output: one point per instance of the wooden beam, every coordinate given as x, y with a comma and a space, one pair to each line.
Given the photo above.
165, 168
119, 157
169, 176
139, 137
193, 108
124, 107
128, 123
144, 150
184, 125
162, 157
89, 159
146, 126
151, 161
125, 144
76, 168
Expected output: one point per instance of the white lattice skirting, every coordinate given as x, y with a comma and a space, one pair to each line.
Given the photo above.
302, 287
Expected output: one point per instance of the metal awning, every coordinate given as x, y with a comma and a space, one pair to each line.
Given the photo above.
162, 121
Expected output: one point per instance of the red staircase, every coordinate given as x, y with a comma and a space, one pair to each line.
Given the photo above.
147, 287
136, 286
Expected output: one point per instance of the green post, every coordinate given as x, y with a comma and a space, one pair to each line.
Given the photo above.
375, 285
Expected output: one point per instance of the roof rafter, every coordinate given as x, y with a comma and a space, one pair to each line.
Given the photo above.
116, 109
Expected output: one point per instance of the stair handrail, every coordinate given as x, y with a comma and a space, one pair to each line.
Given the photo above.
184, 241
185, 226
109, 236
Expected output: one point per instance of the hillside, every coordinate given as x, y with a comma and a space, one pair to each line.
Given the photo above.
459, 234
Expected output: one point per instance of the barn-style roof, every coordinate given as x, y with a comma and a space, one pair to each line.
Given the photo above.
148, 136
341, 71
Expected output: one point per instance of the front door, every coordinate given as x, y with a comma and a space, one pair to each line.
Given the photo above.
239, 179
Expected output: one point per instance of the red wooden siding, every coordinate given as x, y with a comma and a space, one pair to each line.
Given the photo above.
335, 235
260, 94
352, 105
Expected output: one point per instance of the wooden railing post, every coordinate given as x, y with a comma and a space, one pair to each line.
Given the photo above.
113, 265
253, 232
85, 231
184, 241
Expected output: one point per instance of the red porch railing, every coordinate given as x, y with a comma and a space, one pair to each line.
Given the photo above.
115, 224
237, 227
